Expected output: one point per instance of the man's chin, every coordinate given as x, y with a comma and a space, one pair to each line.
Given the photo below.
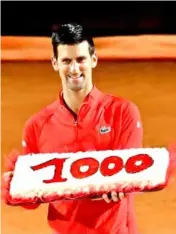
76, 88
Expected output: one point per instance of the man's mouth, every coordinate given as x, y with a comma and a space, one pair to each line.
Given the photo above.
75, 77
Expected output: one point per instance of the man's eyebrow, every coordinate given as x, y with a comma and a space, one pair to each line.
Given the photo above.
65, 58
81, 57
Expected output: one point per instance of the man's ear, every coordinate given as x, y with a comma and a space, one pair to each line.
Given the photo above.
54, 64
94, 60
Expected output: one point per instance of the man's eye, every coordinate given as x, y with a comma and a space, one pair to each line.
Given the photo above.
66, 61
81, 59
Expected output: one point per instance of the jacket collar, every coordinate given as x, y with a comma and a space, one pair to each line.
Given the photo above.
94, 96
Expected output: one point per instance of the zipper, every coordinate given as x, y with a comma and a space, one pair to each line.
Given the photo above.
76, 129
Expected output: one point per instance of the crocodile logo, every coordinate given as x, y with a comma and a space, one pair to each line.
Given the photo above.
104, 130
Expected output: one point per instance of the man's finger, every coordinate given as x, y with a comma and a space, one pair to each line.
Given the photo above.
7, 176
121, 196
105, 197
114, 196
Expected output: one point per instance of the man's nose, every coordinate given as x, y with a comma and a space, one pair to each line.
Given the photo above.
74, 67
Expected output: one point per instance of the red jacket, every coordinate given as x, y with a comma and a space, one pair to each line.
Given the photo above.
54, 129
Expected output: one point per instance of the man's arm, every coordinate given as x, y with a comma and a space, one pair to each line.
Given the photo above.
131, 137
29, 138
29, 145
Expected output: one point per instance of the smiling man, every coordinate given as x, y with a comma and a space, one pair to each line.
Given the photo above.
83, 119
74, 58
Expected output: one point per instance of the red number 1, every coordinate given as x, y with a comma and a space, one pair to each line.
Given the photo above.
58, 163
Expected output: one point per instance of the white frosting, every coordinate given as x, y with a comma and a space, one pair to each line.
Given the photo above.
28, 183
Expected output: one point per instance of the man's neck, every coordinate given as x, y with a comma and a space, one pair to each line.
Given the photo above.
75, 99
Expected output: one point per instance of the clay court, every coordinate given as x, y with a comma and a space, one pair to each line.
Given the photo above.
29, 86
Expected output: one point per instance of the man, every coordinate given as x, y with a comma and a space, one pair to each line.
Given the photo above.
74, 122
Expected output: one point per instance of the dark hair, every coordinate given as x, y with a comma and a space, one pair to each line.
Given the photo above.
70, 34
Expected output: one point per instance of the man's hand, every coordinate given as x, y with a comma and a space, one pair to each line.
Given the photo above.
113, 196
5, 186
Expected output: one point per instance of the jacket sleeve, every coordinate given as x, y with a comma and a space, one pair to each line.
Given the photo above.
29, 145
29, 138
131, 136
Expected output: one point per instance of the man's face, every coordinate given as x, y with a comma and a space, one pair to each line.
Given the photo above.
74, 65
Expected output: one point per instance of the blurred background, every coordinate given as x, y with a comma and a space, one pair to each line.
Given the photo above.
136, 44
101, 17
